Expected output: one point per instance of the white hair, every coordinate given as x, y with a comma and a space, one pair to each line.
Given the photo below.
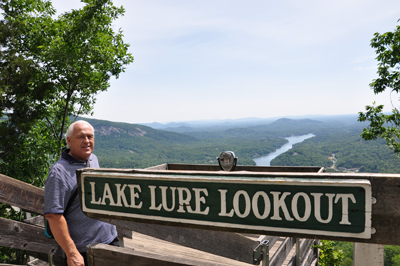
70, 129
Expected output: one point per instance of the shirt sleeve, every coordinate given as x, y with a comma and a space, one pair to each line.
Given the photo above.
55, 192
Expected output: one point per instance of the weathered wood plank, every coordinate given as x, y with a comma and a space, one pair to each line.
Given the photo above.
37, 262
38, 220
368, 254
19, 235
211, 167
226, 244
104, 255
283, 251
57, 260
21, 194
148, 250
305, 247
141, 242
310, 257
159, 167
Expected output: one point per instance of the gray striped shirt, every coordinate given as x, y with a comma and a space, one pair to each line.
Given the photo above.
60, 185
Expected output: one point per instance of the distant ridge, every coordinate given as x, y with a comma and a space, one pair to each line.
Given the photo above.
224, 124
287, 121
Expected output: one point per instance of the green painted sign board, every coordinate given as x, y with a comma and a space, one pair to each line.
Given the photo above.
310, 206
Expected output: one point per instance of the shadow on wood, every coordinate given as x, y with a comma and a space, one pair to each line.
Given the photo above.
105, 255
226, 244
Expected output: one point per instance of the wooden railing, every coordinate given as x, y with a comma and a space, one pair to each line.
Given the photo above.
145, 244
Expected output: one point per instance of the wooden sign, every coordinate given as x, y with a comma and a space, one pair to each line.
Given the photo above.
330, 207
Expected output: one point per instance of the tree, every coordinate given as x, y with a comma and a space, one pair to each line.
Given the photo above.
328, 256
21, 105
51, 69
385, 126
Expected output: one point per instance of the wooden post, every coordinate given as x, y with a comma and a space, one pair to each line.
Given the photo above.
368, 254
298, 253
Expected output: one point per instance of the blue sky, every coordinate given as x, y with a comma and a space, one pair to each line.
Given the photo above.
232, 59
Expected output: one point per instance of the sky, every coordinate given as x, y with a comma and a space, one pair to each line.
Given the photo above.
229, 59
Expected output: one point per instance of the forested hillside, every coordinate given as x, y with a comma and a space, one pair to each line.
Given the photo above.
337, 145
341, 149
122, 145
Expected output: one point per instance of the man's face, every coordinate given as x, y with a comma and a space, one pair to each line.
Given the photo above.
81, 141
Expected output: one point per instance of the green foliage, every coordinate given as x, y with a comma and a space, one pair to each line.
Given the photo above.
387, 48
328, 256
396, 260
346, 262
51, 68
392, 256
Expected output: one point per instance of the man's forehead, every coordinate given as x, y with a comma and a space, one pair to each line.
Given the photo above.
82, 128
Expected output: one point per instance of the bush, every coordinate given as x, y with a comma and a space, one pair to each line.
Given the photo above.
328, 256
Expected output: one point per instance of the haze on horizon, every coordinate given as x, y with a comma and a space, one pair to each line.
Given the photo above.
199, 60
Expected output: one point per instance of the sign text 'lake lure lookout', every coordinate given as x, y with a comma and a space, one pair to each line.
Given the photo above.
312, 206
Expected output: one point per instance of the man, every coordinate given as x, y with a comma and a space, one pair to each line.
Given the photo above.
73, 230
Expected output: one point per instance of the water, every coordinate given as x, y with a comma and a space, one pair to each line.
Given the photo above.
266, 160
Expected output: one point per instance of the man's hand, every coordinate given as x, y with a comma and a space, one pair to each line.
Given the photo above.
75, 259
59, 228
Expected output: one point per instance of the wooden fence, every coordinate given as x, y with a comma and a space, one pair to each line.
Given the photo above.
144, 244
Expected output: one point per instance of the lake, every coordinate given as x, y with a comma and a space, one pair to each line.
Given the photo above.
266, 160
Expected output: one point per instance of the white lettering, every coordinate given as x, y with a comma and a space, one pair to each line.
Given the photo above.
184, 202
307, 210
93, 201
134, 196
280, 203
223, 204
121, 195
200, 199
164, 198
317, 207
345, 206
107, 195
236, 203
267, 203
153, 199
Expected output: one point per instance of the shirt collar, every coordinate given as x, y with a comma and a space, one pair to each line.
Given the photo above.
66, 156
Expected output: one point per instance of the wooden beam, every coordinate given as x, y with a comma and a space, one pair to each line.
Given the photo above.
44, 258
29, 237
305, 247
159, 167
310, 257
368, 254
238, 168
282, 252
226, 244
105, 255
21, 194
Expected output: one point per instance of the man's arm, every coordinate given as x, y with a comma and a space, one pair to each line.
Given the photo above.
59, 228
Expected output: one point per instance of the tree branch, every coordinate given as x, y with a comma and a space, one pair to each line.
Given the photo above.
52, 127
